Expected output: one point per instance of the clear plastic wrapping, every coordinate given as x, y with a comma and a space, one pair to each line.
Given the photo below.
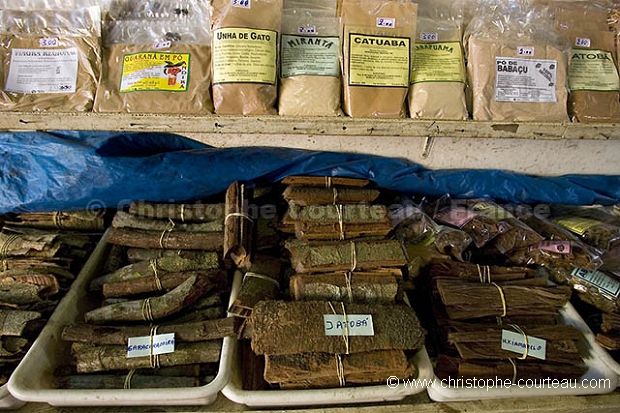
50, 59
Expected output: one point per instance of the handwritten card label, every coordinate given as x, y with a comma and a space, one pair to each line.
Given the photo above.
386, 22
141, 346
358, 325
525, 51
515, 342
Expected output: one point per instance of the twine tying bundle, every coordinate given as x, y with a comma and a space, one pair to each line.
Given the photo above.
345, 337
147, 311
262, 277
154, 359
166, 233
127, 384
57, 219
340, 211
153, 264
6, 245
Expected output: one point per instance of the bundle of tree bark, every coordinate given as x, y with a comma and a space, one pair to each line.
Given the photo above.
164, 274
40, 256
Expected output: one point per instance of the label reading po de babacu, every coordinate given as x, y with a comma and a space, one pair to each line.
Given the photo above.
355, 325
515, 342
141, 346
525, 80
600, 280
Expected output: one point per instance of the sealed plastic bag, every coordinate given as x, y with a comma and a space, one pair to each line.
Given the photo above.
516, 65
309, 66
437, 88
245, 39
50, 59
157, 65
377, 39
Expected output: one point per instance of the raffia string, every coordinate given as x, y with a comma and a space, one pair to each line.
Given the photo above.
345, 335
57, 219
514, 371
339, 211
520, 330
239, 214
183, 213
153, 358
166, 233
157, 280
262, 277
335, 195
347, 278
340, 370
147, 311
328, 182
501, 295
127, 384
5, 265
353, 256
484, 273
6, 245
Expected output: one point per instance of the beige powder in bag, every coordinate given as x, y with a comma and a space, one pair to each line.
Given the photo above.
377, 40
245, 38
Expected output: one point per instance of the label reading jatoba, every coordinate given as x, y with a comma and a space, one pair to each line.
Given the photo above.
379, 60
309, 55
606, 283
525, 80
37, 71
155, 71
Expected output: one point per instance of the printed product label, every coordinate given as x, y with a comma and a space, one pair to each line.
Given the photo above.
355, 325
554, 246
379, 61
457, 216
577, 225
141, 346
592, 70
42, 71
438, 62
493, 211
606, 283
244, 55
525, 80
515, 342
155, 71
309, 55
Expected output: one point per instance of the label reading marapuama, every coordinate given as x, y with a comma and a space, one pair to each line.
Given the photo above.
379, 60
438, 62
242, 55
525, 80
35, 71
309, 55
155, 71
592, 70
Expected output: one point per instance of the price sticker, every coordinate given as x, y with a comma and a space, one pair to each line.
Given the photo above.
525, 51
245, 4
49, 42
429, 37
582, 42
386, 22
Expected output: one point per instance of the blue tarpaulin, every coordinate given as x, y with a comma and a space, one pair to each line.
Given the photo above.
67, 170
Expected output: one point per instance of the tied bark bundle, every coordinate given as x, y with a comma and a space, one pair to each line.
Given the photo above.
480, 228
239, 227
609, 336
169, 239
380, 286
316, 370
29, 246
61, 220
179, 212
593, 231
261, 282
345, 256
126, 220
284, 328
324, 181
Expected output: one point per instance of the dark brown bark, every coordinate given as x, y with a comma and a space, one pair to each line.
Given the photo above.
323, 181
179, 212
316, 196
364, 287
206, 241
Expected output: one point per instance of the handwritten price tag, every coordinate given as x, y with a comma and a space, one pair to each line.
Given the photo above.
386, 22
429, 37
355, 325
525, 51
162, 45
48, 42
241, 3
307, 29
582, 42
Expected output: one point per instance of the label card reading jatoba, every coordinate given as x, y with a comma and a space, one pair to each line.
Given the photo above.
515, 342
141, 346
600, 280
356, 325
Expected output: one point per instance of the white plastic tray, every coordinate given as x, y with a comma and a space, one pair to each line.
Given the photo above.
8, 402
596, 362
32, 380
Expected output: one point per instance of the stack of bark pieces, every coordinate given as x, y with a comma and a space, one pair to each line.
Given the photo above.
40, 255
347, 277
164, 274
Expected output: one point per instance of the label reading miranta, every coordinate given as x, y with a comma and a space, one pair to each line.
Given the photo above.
309, 55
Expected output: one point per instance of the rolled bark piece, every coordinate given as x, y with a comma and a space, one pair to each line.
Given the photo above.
348, 214
137, 381
179, 212
13, 292
480, 273
609, 341
173, 263
349, 287
135, 255
343, 256
163, 282
316, 196
89, 359
238, 227
261, 282
334, 232
127, 220
118, 335
153, 308
281, 327
48, 282
15, 322
486, 343
314, 370
610, 323
56, 266
68, 220
324, 181
206, 241
31, 246
465, 300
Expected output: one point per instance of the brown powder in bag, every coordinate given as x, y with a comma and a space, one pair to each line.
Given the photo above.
187, 67
500, 93
377, 40
30, 92
245, 55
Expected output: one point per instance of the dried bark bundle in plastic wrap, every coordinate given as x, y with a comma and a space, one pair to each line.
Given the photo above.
479, 227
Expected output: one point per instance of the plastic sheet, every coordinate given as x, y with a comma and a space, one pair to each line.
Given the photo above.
44, 171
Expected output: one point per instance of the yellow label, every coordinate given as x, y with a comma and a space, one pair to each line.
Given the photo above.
149, 71
379, 60
577, 225
244, 55
438, 62
493, 211
592, 70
